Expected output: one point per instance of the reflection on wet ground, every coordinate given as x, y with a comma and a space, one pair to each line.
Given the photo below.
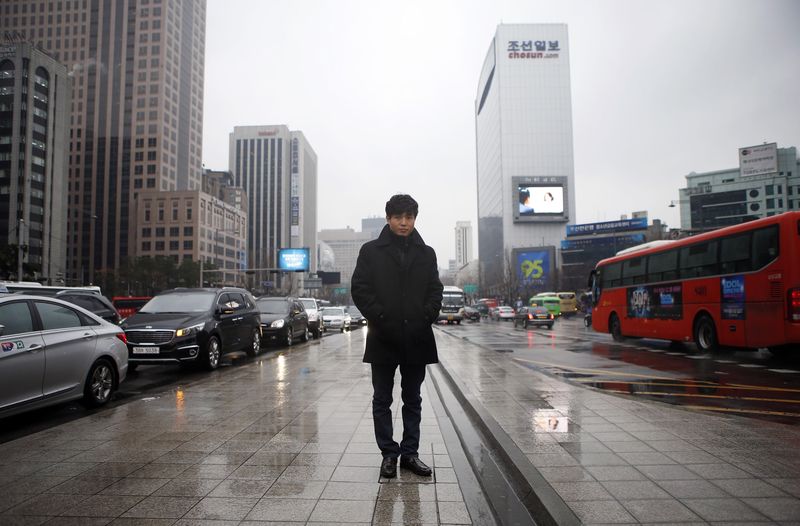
754, 384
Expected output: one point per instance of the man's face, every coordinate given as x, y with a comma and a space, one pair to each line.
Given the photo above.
401, 224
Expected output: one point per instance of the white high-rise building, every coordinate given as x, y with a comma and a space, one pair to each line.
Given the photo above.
463, 243
277, 169
523, 120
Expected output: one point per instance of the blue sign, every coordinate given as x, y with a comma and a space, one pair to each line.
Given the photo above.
293, 259
533, 268
640, 223
732, 292
619, 242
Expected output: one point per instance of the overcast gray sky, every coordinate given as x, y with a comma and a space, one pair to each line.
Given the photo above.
384, 92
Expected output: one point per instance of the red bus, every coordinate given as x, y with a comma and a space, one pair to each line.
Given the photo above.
129, 305
738, 286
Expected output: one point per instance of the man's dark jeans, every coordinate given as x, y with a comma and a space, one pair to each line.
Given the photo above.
382, 384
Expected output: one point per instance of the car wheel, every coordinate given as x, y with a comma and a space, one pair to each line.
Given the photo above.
705, 335
255, 344
132, 367
99, 384
306, 335
615, 328
212, 354
289, 337
550, 326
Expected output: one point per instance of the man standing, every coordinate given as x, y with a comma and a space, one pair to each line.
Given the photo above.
396, 287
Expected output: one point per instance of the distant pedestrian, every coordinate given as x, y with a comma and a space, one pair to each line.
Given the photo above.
396, 287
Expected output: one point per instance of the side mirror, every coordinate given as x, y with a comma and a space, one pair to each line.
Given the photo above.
592, 276
2, 329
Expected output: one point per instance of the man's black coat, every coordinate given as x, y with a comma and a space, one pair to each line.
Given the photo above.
396, 287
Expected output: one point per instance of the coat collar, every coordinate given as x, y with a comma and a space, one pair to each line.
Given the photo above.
385, 238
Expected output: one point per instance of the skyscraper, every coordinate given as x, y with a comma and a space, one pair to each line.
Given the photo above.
137, 109
34, 120
277, 169
463, 232
523, 121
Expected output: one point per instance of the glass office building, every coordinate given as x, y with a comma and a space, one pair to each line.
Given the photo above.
523, 121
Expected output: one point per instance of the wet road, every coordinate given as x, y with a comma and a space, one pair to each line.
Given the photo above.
754, 384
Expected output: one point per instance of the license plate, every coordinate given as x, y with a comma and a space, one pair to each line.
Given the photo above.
145, 350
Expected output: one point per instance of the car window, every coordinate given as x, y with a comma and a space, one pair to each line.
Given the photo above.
235, 301
57, 316
273, 305
16, 317
87, 302
309, 304
180, 302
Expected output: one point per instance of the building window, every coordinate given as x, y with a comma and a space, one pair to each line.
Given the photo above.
160, 231
174, 214
769, 189
174, 245
174, 231
160, 214
147, 232
145, 246
188, 214
147, 216
188, 231
187, 245
771, 203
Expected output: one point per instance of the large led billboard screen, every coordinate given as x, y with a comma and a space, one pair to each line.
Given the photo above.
540, 199
293, 259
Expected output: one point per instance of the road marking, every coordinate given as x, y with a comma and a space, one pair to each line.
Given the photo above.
752, 365
732, 387
788, 371
721, 397
735, 410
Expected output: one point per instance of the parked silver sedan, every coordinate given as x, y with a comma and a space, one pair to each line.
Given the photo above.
52, 351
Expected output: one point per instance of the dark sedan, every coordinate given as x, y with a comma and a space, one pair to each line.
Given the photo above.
356, 318
537, 316
472, 314
283, 320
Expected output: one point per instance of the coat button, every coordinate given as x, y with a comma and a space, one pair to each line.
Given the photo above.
405, 321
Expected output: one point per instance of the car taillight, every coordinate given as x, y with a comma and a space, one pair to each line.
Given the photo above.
530, 316
793, 304
122, 337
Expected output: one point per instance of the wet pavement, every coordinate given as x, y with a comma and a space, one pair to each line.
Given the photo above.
287, 439
618, 460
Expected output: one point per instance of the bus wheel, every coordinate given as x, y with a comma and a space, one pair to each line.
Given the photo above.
615, 328
705, 335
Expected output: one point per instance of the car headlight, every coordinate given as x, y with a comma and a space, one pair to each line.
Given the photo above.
189, 330
277, 324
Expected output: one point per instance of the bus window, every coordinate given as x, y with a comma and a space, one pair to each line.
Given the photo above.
765, 246
663, 266
611, 275
734, 254
633, 271
699, 260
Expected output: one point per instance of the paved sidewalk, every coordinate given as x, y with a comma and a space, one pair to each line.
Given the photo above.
284, 440
615, 460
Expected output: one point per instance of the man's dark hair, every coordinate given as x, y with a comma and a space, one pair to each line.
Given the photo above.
400, 204
524, 195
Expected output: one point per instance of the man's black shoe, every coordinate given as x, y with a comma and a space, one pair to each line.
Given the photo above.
389, 467
416, 466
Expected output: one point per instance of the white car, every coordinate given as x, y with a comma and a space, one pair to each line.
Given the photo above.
335, 318
53, 351
504, 313
310, 304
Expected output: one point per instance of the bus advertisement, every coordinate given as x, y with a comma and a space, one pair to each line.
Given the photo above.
738, 287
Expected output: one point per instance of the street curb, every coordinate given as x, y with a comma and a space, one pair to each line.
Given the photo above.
543, 503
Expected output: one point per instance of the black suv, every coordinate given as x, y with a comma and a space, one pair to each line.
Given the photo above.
91, 301
193, 326
283, 319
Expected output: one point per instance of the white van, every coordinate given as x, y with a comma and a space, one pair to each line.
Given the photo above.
312, 309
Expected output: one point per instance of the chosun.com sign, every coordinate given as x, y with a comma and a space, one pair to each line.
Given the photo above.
533, 49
